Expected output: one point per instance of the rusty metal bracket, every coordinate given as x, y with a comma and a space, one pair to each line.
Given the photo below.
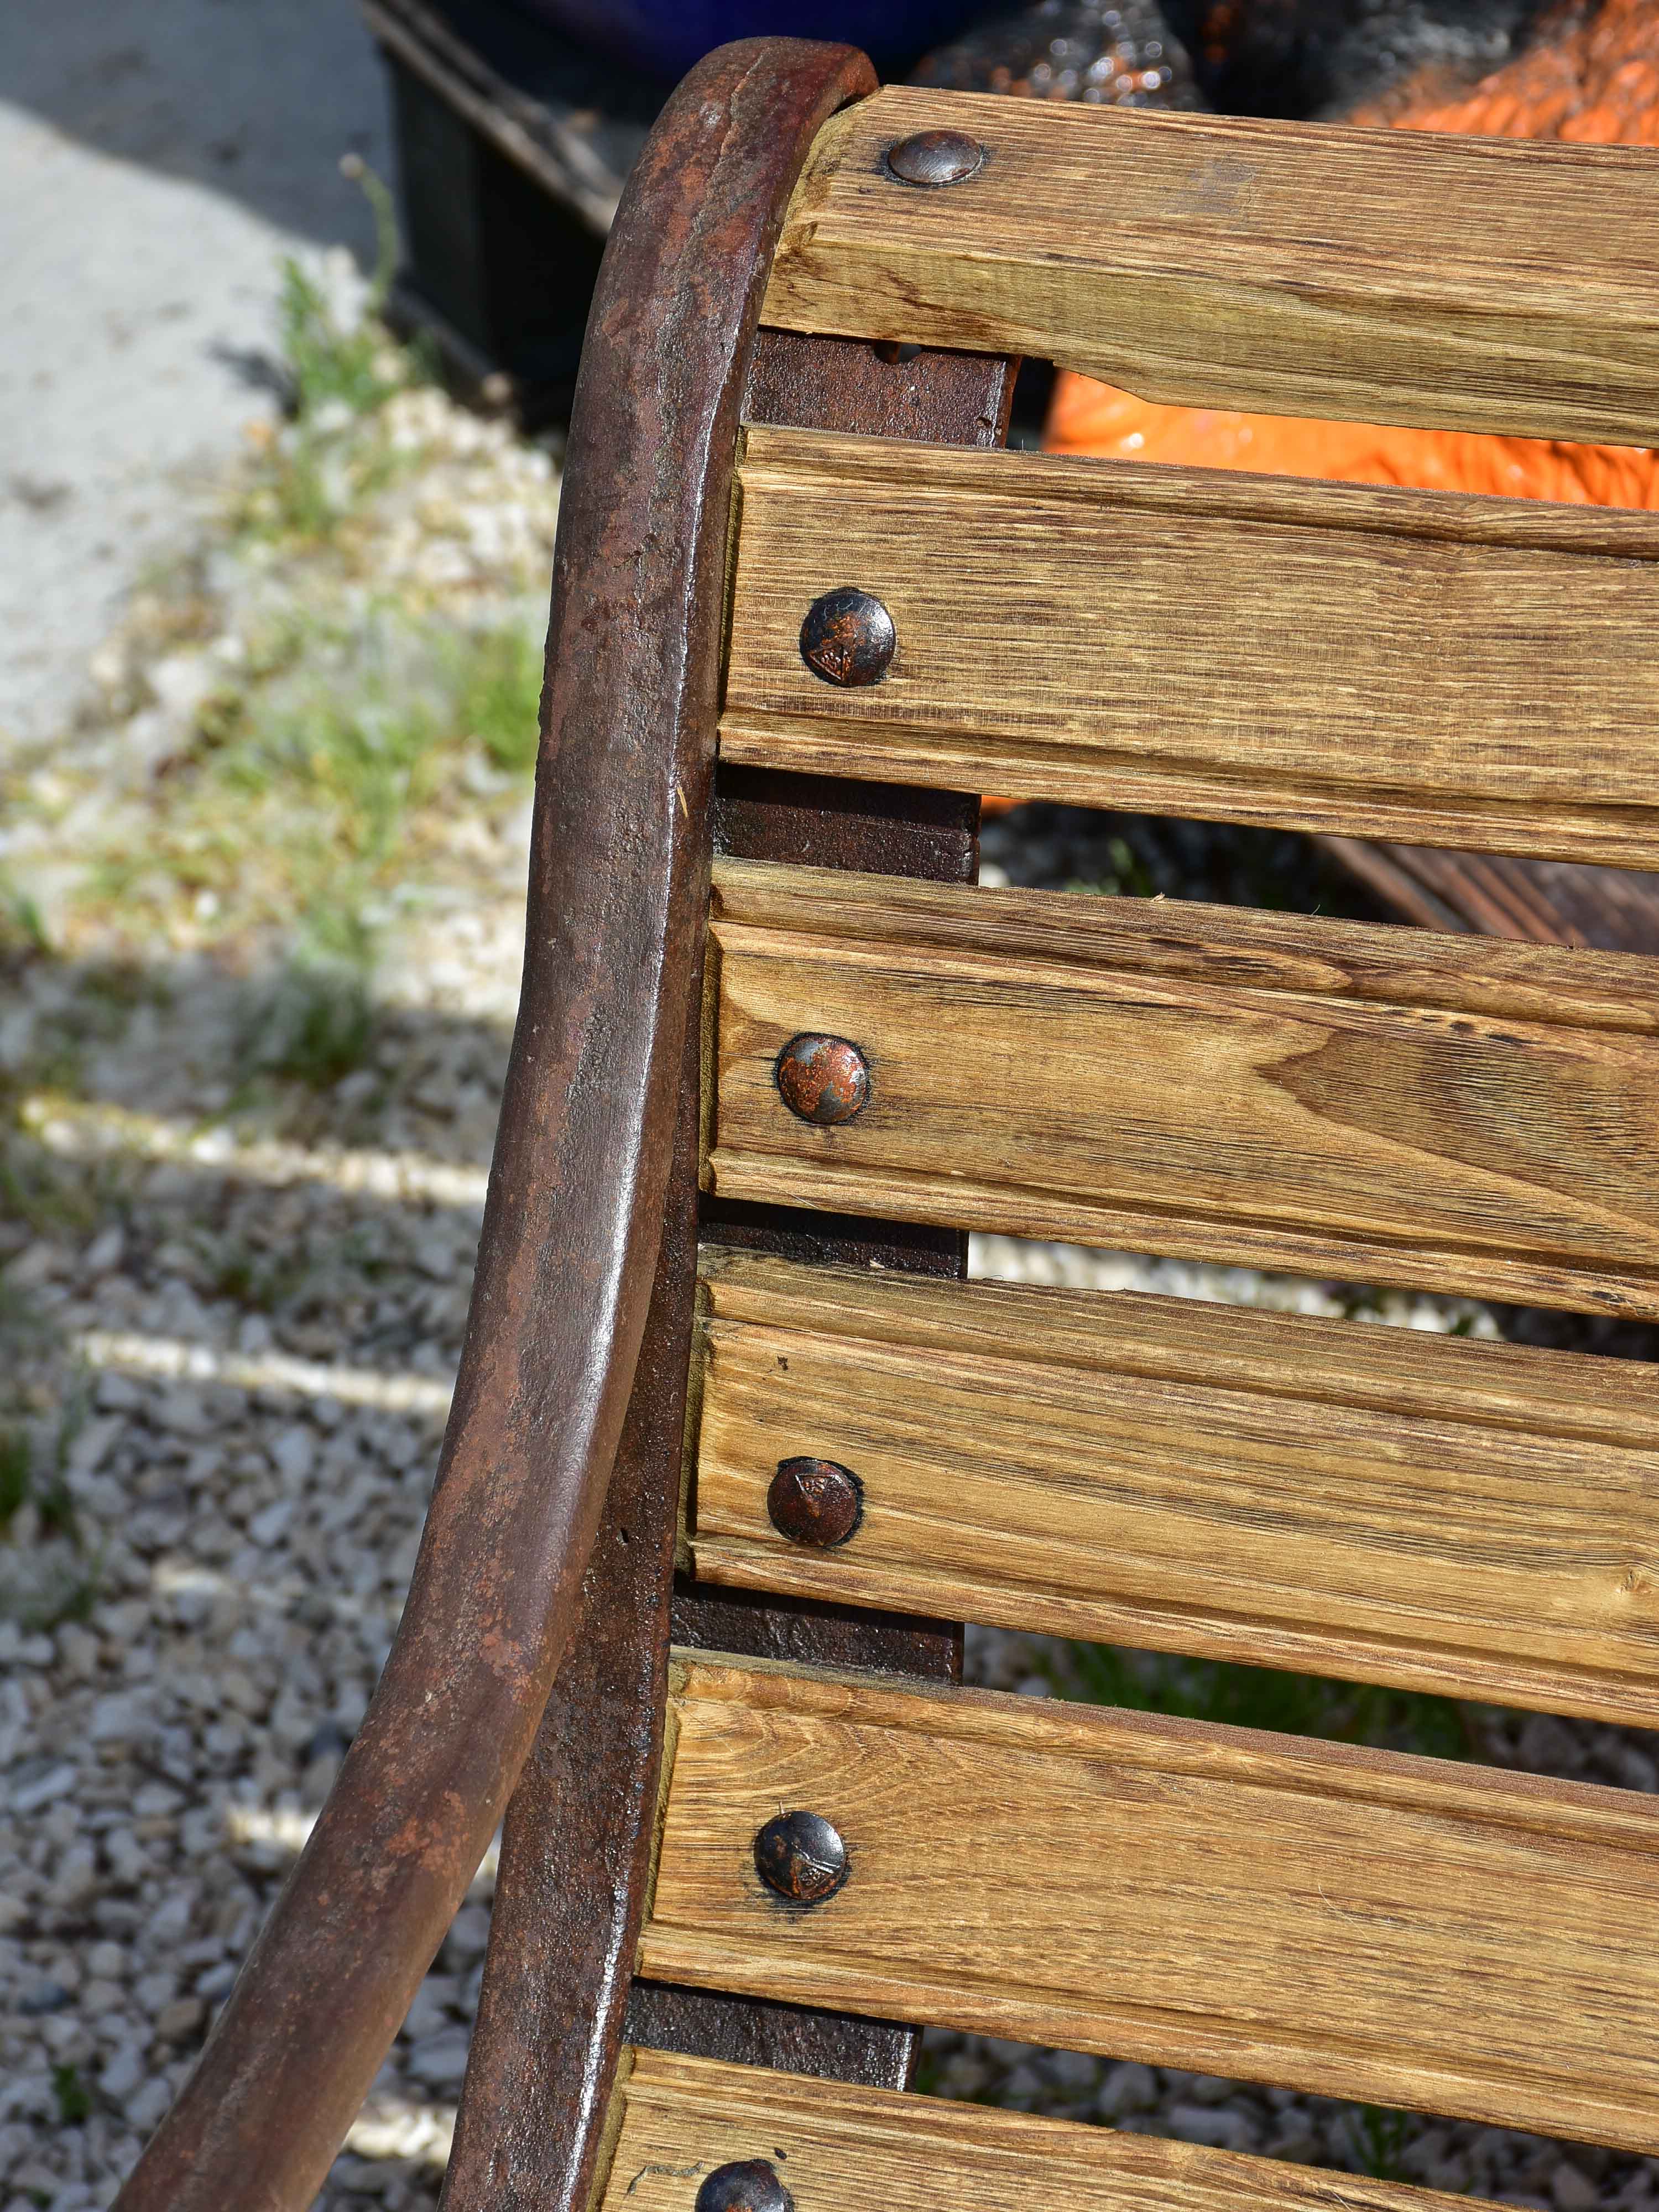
577, 1842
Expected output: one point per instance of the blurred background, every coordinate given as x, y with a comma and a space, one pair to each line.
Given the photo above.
295, 295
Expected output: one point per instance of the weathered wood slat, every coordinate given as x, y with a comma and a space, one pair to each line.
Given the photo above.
1467, 1518
839, 2150
1382, 276
1373, 662
1271, 1090
1351, 1922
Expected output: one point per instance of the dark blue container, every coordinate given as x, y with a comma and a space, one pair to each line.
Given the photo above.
666, 36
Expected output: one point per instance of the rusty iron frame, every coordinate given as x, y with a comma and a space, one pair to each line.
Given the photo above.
573, 1231
558, 1997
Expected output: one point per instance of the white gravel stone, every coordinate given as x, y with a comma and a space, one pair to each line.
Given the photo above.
1573, 2190
440, 2062
123, 2073
1127, 2088
469, 1935
37, 1790
1218, 2125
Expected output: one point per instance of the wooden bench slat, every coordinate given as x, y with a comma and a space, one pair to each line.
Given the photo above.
1472, 1519
838, 2149
1346, 1922
1276, 1090
1386, 277
1370, 662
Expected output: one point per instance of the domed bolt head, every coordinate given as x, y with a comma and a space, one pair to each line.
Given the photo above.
848, 637
747, 2185
800, 1858
815, 1501
825, 1079
935, 158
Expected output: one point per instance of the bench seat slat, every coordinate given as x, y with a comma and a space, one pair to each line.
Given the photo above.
1476, 1520
1379, 276
1346, 1922
1271, 1090
1331, 657
844, 2150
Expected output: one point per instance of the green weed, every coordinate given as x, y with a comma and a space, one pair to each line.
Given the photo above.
74, 2098
1378, 2139
334, 376
1129, 876
1263, 1698
304, 800
16, 1466
925, 2074
314, 1023
497, 676
359, 753
23, 926
58, 1580
322, 361
51, 1196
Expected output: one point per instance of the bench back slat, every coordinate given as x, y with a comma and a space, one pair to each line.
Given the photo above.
843, 2149
1349, 1922
1378, 275
1370, 661
1269, 1089
1471, 1519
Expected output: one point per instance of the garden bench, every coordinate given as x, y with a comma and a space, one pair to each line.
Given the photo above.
756, 1830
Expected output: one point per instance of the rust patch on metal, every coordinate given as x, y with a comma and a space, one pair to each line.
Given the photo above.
935, 158
801, 1858
816, 1502
848, 638
823, 1080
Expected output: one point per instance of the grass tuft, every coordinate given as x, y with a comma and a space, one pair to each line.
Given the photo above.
51, 1578
74, 2098
16, 1468
1263, 1698
1378, 2139
323, 361
335, 375
496, 679
313, 1024
22, 926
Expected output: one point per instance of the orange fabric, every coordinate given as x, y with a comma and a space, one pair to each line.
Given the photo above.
1598, 78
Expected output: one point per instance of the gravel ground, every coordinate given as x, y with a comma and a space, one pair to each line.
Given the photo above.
264, 1333
231, 1303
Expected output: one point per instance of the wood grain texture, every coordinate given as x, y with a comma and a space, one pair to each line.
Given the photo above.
1269, 1089
1301, 268
1354, 1924
844, 2150
1535, 902
1342, 657
881, 829
1473, 1519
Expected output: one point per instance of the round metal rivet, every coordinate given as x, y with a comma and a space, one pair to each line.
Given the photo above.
799, 1858
747, 2185
816, 1501
848, 637
825, 1079
935, 157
